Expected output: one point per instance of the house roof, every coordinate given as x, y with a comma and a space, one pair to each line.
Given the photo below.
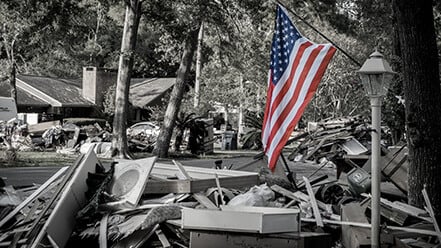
145, 92
66, 92
23, 98
46, 91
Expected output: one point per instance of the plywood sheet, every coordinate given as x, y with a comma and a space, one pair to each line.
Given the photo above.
61, 221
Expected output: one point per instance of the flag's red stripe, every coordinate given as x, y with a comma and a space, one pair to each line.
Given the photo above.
315, 82
266, 116
287, 84
294, 99
271, 104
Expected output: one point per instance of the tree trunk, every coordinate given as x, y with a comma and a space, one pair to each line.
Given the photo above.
12, 82
163, 141
422, 94
128, 44
198, 66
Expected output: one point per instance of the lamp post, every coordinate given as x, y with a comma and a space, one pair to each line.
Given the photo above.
376, 75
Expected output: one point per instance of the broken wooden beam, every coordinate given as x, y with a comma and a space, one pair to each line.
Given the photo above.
315, 209
431, 212
204, 200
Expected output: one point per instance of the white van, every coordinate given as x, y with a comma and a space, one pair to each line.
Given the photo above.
8, 108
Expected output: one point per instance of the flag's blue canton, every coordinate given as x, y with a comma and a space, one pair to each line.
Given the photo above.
285, 35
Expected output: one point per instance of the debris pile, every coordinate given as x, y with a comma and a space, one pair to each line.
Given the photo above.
69, 137
149, 203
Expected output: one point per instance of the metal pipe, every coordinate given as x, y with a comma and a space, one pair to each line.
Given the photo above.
375, 170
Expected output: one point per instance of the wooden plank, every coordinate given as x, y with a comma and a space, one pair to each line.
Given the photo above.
431, 212
395, 167
298, 195
182, 172
367, 225
417, 243
397, 211
411, 210
34, 195
28, 217
316, 148
219, 189
242, 219
103, 231
289, 204
52, 241
315, 209
287, 193
202, 199
388, 212
162, 238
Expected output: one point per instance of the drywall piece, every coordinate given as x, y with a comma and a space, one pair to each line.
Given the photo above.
203, 239
61, 221
353, 147
242, 219
129, 180
33, 195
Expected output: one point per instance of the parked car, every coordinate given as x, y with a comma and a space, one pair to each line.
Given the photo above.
146, 128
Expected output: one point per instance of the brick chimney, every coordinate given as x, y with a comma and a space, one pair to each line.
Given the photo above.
96, 81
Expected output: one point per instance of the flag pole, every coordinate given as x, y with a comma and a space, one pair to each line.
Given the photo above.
320, 33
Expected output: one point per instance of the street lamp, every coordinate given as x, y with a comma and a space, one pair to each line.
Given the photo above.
376, 75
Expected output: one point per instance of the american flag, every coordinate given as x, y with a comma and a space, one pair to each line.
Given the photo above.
297, 66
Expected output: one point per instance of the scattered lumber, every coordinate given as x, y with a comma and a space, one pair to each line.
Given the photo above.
165, 204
